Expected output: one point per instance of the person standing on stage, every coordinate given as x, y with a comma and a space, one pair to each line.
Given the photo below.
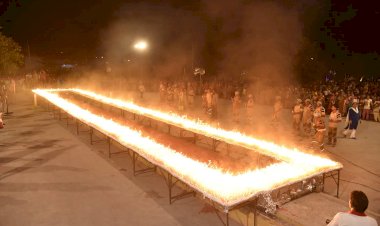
141, 90
181, 100
249, 109
236, 107
376, 110
190, 94
3, 97
353, 118
319, 112
297, 115
366, 108
204, 101
214, 104
277, 108
162, 92
307, 117
209, 103
320, 130
334, 119
1, 121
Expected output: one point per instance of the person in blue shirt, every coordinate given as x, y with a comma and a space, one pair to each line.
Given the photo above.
353, 118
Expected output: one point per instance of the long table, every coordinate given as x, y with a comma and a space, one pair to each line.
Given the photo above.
111, 135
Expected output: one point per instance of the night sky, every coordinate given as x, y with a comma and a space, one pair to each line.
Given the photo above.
75, 29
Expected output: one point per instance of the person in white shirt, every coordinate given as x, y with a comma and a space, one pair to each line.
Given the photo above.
376, 110
297, 115
366, 108
355, 217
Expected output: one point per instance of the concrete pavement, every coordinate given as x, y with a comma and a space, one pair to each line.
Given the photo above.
50, 176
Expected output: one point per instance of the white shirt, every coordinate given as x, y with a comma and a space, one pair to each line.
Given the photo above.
348, 219
367, 103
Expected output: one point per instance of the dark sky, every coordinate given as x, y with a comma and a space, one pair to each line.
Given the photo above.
52, 27
76, 27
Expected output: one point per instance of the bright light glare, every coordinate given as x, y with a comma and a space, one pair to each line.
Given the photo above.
141, 45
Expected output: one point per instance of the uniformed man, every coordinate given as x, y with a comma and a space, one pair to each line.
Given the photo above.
236, 107
141, 90
169, 95
320, 130
376, 110
214, 104
249, 108
209, 103
277, 108
3, 96
204, 101
1, 121
334, 119
162, 92
297, 115
307, 116
319, 112
181, 100
190, 95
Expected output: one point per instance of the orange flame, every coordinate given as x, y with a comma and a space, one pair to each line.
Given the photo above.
225, 188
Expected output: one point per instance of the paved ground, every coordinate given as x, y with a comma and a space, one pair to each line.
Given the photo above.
50, 176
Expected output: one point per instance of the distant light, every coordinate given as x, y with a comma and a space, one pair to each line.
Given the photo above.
102, 57
129, 60
312, 58
141, 45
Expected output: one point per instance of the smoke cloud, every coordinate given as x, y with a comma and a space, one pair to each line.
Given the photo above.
257, 38
173, 36
262, 38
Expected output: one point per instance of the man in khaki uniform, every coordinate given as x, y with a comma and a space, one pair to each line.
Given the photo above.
307, 116
334, 119
320, 130
236, 107
277, 108
249, 108
376, 110
297, 115
190, 95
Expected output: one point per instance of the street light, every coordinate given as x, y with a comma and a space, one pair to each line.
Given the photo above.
140, 45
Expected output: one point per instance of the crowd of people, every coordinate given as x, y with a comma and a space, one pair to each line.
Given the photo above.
354, 100
346, 100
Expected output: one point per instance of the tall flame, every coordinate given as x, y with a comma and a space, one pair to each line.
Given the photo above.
226, 188
232, 137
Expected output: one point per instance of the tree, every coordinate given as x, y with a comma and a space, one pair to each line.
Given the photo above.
11, 57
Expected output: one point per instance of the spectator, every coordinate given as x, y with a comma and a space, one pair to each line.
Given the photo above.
355, 217
367, 108
1, 121
376, 110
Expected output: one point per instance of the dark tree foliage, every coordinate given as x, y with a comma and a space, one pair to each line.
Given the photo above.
11, 57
